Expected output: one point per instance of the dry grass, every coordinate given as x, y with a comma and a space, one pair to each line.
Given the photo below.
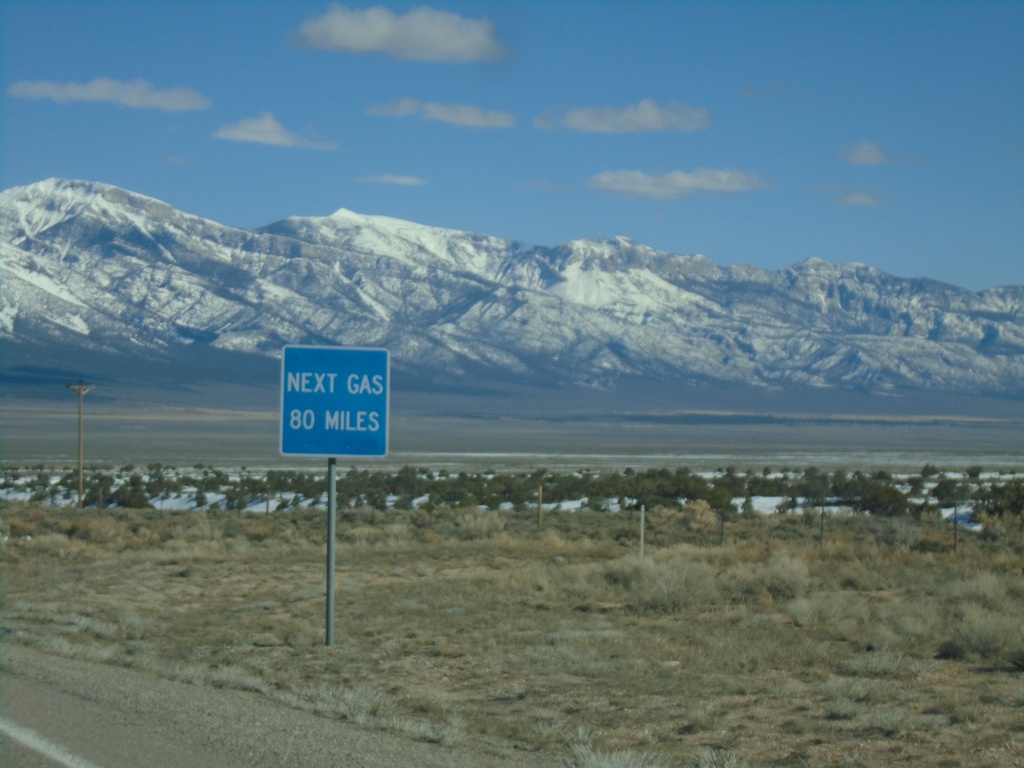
767, 651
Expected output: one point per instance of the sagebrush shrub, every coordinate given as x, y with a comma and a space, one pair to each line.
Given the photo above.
663, 586
983, 634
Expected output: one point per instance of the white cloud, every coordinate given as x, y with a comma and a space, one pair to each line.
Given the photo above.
266, 130
388, 178
675, 184
422, 34
860, 198
467, 115
643, 117
464, 115
866, 153
138, 94
400, 108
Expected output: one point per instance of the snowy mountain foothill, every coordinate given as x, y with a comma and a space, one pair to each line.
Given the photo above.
95, 278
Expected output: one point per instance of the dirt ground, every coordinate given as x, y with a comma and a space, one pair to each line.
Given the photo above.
879, 648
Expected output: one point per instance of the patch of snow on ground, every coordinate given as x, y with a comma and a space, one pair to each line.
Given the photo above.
569, 505
74, 323
8, 314
178, 501
42, 282
13, 494
763, 505
963, 516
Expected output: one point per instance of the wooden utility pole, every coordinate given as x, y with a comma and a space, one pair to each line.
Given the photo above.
80, 389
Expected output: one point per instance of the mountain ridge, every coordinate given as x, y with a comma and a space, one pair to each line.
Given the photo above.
94, 266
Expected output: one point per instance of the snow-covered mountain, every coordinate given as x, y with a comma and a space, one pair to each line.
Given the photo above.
95, 267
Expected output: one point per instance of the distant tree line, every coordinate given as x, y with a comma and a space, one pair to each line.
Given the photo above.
727, 491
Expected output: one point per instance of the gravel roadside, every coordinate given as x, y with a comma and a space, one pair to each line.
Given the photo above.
123, 718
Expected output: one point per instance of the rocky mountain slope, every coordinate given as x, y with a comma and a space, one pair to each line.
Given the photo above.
93, 267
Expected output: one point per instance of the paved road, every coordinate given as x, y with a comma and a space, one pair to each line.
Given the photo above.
56, 711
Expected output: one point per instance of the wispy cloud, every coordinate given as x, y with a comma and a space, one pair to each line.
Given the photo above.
464, 115
422, 34
860, 198
646, 116
137, 94
400, 108
676, 184
865, 153
265, 129
388, 178
467, 115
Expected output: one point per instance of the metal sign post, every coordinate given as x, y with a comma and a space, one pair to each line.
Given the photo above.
332, 535
335, 401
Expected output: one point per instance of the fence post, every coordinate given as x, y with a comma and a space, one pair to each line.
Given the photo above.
643, 514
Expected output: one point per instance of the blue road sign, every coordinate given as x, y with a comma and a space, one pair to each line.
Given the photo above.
334, 401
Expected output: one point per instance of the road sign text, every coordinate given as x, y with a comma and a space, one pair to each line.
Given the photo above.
334, 401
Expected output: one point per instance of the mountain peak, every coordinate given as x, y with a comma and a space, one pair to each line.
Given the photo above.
344, 214
69, 197
94, 267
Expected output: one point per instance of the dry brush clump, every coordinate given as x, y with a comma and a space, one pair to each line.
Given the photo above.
767, 650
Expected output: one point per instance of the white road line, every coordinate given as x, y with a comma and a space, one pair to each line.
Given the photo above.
37, 743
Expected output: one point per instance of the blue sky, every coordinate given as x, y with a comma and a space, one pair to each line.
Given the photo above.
763, 133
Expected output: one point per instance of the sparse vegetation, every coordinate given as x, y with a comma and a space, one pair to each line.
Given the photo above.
875, 645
